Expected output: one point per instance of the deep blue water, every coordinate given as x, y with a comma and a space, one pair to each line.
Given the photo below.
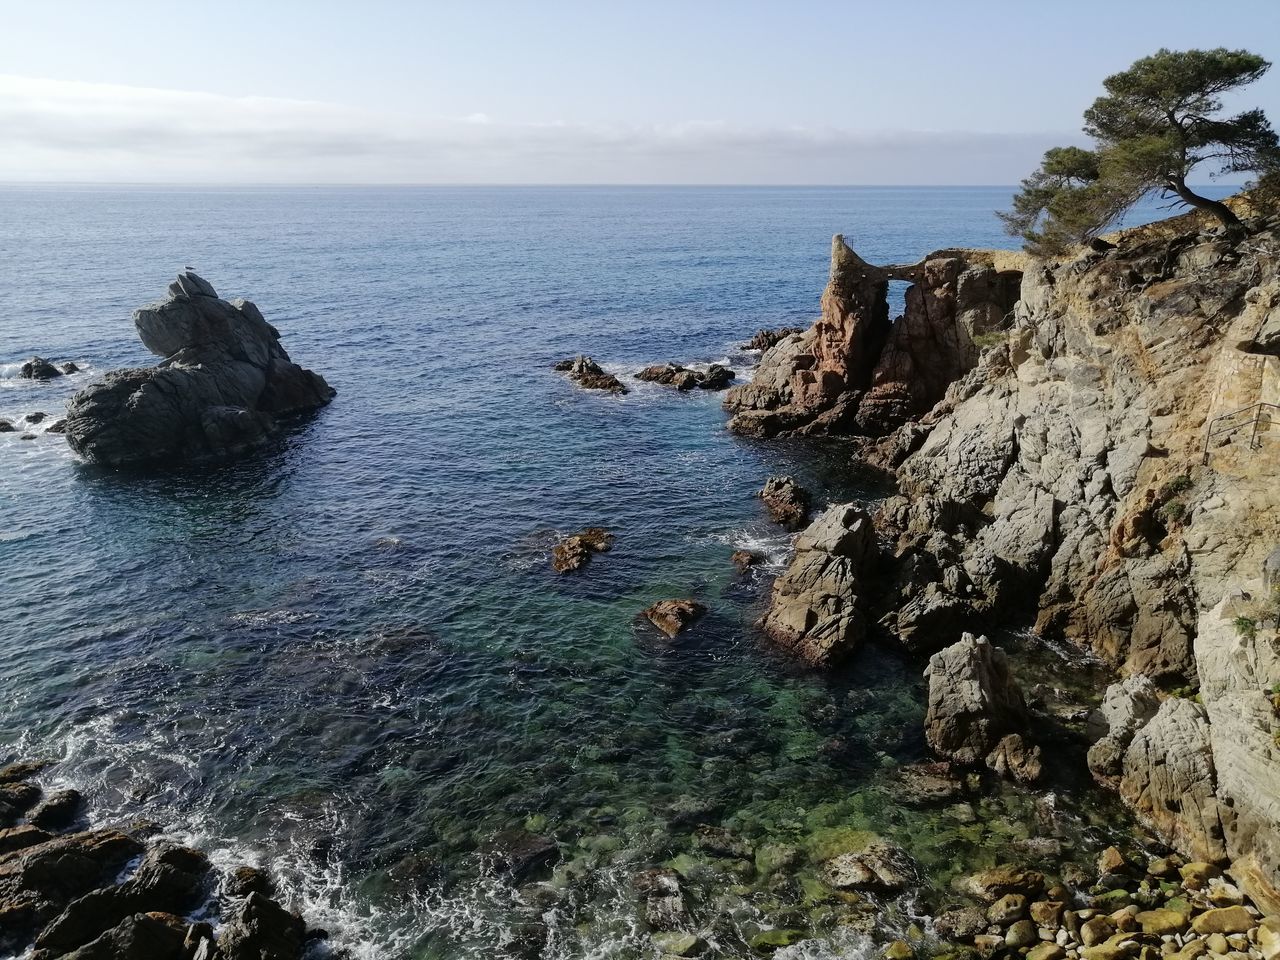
348, 659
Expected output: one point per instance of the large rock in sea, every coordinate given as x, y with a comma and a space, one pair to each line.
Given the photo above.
814, 611
973, 700
221, 390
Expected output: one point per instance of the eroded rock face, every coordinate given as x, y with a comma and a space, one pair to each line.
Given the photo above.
814, 610
221, 390
1064, 479
973, 700
1169, 777
853, 371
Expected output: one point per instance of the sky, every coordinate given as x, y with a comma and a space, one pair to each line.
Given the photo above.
560, 91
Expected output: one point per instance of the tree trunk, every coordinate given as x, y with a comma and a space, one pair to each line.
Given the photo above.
1219, 209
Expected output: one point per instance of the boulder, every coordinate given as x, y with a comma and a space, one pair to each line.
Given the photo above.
674, 616
786, 501
1015, 759
813, 612
58, 426
1224, 920
589, 375
6, 426
520, 853
717, 377
880, 866
261, 929
973, 700
572, 552
222, 389
56, 811
1000, 881
38, 368
744, 560
662, 898
37, 417
69, 367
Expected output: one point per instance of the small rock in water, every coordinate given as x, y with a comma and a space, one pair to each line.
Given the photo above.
659, 888
6, 427
745, 559
38, 368
58, 426
36, 417
786, 501
572, 552
69, 367
674, 616
1015, 759
590, 375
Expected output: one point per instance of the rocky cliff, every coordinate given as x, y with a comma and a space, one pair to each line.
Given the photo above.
1109, 470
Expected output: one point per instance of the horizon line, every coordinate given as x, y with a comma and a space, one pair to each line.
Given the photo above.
531, 184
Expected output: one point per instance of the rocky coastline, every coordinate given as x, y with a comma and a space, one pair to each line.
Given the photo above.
69, 888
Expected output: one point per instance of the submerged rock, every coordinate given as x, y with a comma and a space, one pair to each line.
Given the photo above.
589, 375
674, 616
786, 501
38, 368
224, 383
521, 854
813, 612
973, 700
573, 552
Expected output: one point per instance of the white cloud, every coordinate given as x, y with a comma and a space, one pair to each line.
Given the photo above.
63, 130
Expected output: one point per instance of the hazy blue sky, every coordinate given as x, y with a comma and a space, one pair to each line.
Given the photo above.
606, 92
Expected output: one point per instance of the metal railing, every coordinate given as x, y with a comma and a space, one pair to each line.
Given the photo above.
1250, 416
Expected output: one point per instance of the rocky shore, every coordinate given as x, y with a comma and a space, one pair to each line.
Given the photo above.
123, 891
1083, 446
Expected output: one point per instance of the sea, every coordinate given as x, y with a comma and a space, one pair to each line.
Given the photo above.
347, 659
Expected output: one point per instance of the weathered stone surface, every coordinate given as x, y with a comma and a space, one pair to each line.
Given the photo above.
224, 383
663, 899
674, 616
1169, 777
813, 612
973, 700
786, 501
715, 377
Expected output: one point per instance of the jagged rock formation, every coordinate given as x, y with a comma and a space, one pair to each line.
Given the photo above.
220, 391
854, 372
1065, 479
814, 612
574, 551
973, 701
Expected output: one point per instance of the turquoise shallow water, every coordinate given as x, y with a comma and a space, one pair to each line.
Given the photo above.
347, 658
